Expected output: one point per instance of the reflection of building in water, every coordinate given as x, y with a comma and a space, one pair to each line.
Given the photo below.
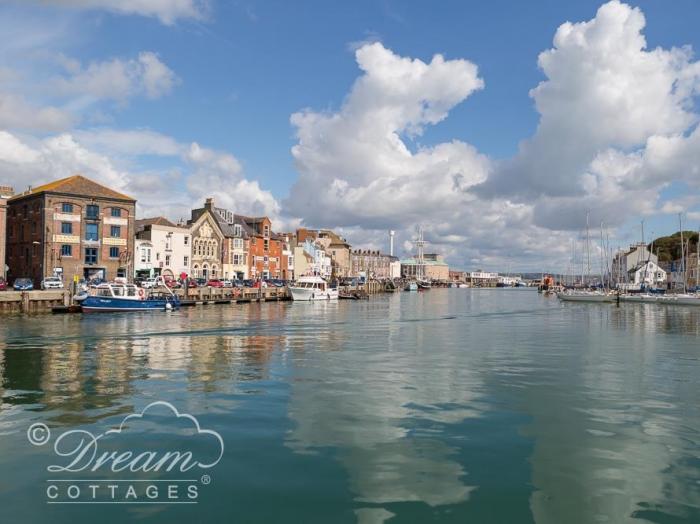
371, 405
610, 439
113, 368
165, 353
61, 377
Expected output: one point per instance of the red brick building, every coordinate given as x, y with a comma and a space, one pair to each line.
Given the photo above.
70, 227
264, 250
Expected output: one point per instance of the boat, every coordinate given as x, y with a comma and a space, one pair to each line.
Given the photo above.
352, 295
423, 284
585, 296
680, 299
411, 286
112, 296
308, 288
640, 298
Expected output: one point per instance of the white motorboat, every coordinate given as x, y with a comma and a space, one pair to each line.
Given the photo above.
640, 298
585, 296
312, 288
680, 299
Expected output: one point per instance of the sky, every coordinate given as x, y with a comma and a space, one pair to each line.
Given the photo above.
498, 127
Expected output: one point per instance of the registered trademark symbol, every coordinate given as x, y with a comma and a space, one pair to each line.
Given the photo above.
206, 480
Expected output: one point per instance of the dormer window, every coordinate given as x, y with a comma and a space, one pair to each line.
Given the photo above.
237, 230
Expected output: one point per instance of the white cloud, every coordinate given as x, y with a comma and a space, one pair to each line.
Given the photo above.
167, 11
358, 173
113, 157
119, 79
613, 125
355, 164
18, 113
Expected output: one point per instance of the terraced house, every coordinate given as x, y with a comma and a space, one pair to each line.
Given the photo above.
5, 193
73, 227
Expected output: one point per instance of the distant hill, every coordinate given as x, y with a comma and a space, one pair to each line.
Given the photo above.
669, 248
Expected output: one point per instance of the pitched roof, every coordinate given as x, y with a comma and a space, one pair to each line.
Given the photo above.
76, 185
157, 221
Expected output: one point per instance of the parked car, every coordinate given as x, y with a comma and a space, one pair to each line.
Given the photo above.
227, 283
248, 283
3, 284
238, 283
201, 282
149, 283
52, 283
215, 282
192, 282
23, 284
172, 283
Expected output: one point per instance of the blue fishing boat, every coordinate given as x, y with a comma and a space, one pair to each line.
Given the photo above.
128, 297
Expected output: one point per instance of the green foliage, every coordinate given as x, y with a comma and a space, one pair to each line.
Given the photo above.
669, 248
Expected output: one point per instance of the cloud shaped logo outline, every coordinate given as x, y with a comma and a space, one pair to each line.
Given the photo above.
175, 411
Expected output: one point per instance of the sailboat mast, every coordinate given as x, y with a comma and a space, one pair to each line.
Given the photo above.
680, 223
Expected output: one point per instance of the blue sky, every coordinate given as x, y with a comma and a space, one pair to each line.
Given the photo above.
241, 69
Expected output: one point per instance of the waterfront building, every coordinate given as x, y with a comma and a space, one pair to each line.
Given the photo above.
434, 267
648, 274
5, 193
265, 251
458, 276
627, 260
481, 278
303, 261
237, 234
310, 258
207, 242
287, 265
370, 263
143, 258
73, 227
171, 248
334, 246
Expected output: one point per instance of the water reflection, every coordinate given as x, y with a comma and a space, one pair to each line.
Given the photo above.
467, 405
380, 394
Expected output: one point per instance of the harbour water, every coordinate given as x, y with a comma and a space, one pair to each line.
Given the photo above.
453, 405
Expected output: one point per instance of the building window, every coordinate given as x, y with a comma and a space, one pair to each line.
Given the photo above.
237, 230
115, 231
66, 250
33, 227
167, 260
186, 261
113, 252
91, 232
92, 211
267, 231
90, 255
66, 207
116, 212
237, 243
187, 241
66, 228
266, 244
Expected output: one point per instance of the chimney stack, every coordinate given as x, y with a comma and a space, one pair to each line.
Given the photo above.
209, 204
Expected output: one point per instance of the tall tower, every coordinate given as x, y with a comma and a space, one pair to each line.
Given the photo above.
391, 242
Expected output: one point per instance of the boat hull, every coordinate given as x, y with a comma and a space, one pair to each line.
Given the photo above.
301, 294
683, 300
106, 304
585, 297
